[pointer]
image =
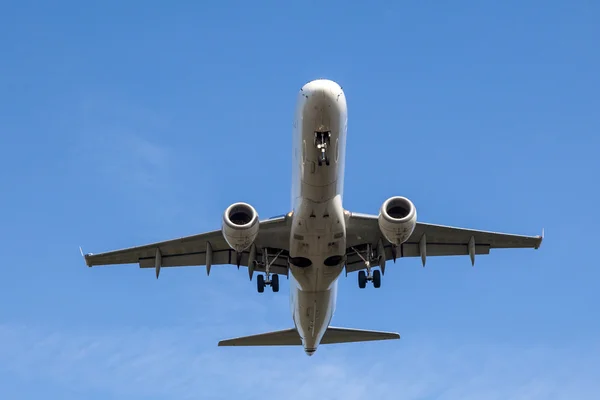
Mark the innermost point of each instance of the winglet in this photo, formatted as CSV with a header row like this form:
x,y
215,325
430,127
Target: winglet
x,y
85,256
541,239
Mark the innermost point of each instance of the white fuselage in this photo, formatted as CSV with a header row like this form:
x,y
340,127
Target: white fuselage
x,y
318,234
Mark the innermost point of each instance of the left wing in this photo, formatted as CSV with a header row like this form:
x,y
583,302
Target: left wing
x,y
273,234
429,240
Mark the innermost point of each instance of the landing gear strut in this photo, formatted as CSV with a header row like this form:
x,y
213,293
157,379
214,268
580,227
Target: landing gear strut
x,y
369,275
267,279
322,141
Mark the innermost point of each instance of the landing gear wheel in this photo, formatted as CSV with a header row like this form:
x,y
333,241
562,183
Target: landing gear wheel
x,y
260,283
370,275
362,279
376,278
275,283
322,158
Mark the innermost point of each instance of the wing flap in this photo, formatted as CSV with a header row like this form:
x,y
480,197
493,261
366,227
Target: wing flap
x,y
355,263
441,249
221,257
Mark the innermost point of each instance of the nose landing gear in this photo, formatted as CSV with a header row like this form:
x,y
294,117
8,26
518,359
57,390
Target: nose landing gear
x,y
322,141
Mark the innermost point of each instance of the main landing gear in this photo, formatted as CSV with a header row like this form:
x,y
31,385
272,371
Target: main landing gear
x,y
322,141
369,275
273,281
267,279
375,278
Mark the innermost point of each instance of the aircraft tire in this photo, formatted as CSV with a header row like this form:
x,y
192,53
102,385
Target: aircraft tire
x,y
362,279
376,278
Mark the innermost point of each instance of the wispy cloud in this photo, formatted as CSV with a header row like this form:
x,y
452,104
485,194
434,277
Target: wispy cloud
x,y
123,149
117,151
172,363
133,160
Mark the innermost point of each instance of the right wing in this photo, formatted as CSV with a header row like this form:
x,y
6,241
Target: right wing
x,y
438,240
273,234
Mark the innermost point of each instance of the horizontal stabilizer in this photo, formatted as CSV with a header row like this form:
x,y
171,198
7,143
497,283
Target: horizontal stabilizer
x,y
290,337
287,337
346,335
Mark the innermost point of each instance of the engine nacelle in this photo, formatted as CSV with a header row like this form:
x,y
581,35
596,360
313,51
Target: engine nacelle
x,y
240,226
397,219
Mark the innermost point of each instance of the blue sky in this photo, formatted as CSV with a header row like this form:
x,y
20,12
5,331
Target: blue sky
x,y
124,123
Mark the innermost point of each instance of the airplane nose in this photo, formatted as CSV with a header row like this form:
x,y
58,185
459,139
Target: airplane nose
x,y
323,89
323,104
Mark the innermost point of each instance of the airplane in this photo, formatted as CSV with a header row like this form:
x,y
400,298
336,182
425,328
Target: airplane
x,y
318,240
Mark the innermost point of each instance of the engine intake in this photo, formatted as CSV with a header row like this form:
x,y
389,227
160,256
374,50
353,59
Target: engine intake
x,y
240,226
397,219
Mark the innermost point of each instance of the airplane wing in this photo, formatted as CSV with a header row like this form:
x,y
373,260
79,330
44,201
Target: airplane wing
x,y
273,234
429,240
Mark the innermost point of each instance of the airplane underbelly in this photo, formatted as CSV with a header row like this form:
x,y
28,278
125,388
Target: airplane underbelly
x,y
318,232
312,315
317,243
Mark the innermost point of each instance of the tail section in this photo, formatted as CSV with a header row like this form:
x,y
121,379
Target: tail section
x,y
290,337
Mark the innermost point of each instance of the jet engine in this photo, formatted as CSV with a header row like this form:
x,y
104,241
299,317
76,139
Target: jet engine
x,y
397,219
240,226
